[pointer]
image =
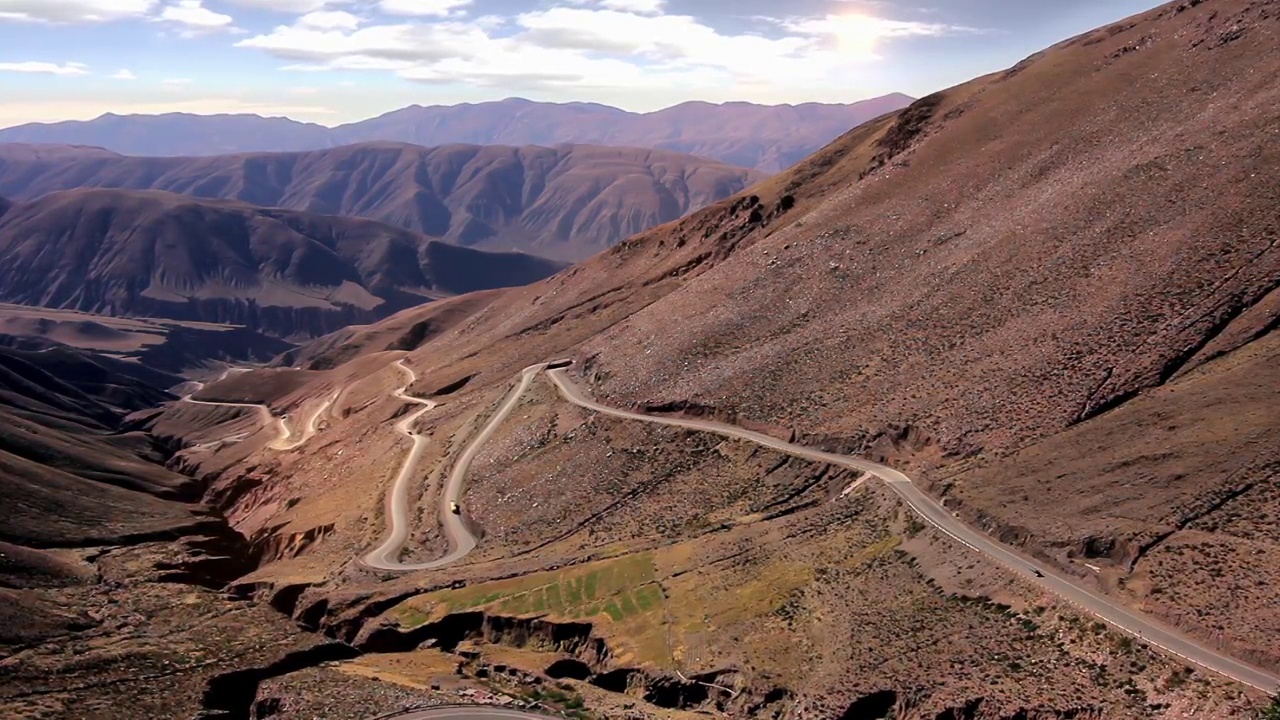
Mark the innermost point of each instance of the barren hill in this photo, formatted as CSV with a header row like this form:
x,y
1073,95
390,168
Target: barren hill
x,y
565,202
1048,295
167,345
764,137
156,254
1041,293
105,553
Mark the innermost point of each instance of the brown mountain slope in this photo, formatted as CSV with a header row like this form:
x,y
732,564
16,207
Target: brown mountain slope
x,y
565,202
73,474
105,558
1048,294
168,346
767,138
155,254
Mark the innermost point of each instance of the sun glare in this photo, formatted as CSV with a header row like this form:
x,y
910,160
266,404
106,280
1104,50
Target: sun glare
x,y
856,34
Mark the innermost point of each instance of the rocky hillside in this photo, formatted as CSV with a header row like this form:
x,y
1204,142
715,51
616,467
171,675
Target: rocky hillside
x,y
764,137
1044,294
1047,295
288,274
98,535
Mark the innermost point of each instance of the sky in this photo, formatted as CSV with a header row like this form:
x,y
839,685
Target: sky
x,y
338,61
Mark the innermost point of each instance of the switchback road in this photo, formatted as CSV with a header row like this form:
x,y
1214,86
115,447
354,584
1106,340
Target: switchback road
x,y
1096,604
462,541
282,439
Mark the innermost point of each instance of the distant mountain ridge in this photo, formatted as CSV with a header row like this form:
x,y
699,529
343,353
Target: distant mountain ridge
x,y
765,137
566,202
284,273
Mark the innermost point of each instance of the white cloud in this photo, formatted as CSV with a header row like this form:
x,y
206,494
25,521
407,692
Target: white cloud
x,y
73,11
195,18
330,20
379,47
862,33
124,74
45,68
422,8
295,7
640,7
601,48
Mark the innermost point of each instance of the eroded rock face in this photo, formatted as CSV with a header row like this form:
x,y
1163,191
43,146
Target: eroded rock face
x,y
234,695
979,709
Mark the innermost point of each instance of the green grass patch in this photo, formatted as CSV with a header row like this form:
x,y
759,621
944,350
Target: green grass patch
x,y
572,592
628,606
613,611
622,589
648,597
621,586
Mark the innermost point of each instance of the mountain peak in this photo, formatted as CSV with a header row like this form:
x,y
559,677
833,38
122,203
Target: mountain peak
x,y
764,137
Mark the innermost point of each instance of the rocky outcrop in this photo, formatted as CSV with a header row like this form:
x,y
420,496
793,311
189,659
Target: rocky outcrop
x,y
232,695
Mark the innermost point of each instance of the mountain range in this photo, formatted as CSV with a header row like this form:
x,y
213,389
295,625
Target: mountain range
x,y
284,273
765,137
933,424
566,202
1047,296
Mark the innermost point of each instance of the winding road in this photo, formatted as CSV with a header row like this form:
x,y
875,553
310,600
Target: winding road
x,y
462,542
1096,604
282,440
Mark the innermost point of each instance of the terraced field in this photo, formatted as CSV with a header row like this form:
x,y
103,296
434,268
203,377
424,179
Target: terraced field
x,y
623,593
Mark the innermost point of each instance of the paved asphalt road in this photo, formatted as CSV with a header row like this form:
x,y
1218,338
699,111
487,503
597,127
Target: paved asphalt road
x,y
384,556
281,441
1100,606
462,542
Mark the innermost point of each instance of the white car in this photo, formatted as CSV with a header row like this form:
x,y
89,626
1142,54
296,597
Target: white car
x,y
453,508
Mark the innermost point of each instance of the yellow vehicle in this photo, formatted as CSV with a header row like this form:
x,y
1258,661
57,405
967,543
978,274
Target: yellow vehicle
x,y
453,508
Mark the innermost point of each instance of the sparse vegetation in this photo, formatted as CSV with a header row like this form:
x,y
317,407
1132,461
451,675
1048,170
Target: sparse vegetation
x,y
914,527
622,588
969,314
